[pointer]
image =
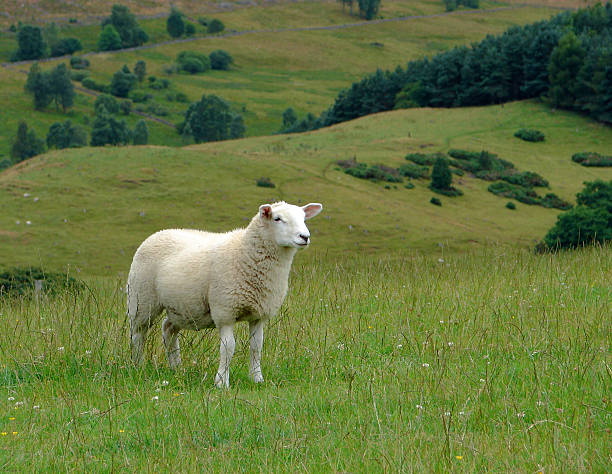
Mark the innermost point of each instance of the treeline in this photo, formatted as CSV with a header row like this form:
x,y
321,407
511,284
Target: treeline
x,y
566,60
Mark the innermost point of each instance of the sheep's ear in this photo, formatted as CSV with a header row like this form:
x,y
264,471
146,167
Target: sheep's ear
x,y
312,209
265,211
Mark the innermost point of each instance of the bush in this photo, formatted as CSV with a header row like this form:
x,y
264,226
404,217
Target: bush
x,y
156,109
552,200
203,21
510,205
450,192
109,103
423,159
413,171
5,163
175,25
529,135
373,173
140,96
66,46
21,281
141,133
220,60
79,75
409,186
527,195
89,83
181,97
590,158
123,82
215,26
66,135
265,182
435,201
525,178
78,62
109,39
192,62
579,226
125,106
189,29
159,85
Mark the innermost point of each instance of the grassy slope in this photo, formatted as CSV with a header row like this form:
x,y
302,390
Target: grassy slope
x,y
101,192
304,70
494,361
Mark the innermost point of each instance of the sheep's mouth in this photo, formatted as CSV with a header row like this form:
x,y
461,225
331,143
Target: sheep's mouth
x,y
303,244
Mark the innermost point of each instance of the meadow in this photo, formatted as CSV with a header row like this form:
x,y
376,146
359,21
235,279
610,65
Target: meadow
x,y
495,360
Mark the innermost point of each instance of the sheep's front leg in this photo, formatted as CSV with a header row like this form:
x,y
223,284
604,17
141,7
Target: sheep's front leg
x,y
226,352
256,336
170,338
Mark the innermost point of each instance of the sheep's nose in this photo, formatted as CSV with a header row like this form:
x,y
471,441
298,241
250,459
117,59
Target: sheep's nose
x,y
305,237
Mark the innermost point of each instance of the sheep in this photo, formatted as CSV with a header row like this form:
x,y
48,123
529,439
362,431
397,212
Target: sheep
x,y
204,280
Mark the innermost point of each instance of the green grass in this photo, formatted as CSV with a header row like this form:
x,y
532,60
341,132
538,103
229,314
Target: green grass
x,y
212,186
492,361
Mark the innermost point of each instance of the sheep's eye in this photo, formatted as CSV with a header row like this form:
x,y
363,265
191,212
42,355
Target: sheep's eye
x,y
277,219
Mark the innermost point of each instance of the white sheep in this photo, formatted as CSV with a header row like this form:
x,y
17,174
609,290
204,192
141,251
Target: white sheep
x,y
203,279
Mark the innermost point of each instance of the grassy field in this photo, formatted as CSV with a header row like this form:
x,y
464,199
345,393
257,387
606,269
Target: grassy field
x,y
493,361
131,192
272,71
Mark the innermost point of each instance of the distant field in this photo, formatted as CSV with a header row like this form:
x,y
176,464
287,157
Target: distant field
x,y
493,361
112,198
304,70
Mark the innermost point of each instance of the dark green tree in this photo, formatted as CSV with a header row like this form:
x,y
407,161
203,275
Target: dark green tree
x,y
220,60
215,26
565,63
38,85
211,119
26,144
66,135
123,82
289,118
175,24
30,44
66,46
109,39
126,25
140,69
441,177
107,130
192,62
62,88
189,29
141,133
108,102
368,9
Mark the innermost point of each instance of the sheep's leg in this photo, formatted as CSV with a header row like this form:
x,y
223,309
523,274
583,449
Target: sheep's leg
x,y
138,335
226,352
256,336
170,338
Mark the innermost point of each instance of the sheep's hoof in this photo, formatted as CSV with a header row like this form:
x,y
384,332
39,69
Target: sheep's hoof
x,y
222,381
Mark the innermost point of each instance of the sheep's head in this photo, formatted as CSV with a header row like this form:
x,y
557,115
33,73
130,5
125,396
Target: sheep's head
x,y
285,222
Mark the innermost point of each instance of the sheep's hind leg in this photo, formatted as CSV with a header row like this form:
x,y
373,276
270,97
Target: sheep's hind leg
x,y
138,335
226,352
256,337
170,338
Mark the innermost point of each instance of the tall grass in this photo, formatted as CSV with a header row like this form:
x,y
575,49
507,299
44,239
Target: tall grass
x,y
494,360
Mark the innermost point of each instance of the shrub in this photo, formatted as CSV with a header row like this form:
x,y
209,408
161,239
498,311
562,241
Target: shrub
x,y
529,135
215,26
107,130
140,96
414,171
123,82
435,201
156,109
424,159
141,133
524,195
510,205
189,29
125,106
590,158
192,62
450,192
373,173
78,62
5,163
181,97
66,135
110,104
21,281
78,75
203,21
220,60
159,85
579,226
89,83
552,200
524,178
175,25
409,186
66,46
109,39
265,182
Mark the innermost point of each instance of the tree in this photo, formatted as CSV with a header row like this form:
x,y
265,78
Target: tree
x,y
66,46
441,177
141,133
189,29
62,88
30,44
122,83
211,119
215,26
107,130
368,9
66,135
109,39
108,102
192,62
565,63
220,60
175,24
140,69
38,85
126,25
289,118
26,144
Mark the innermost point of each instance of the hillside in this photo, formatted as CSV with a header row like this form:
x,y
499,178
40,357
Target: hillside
x,y
96,205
